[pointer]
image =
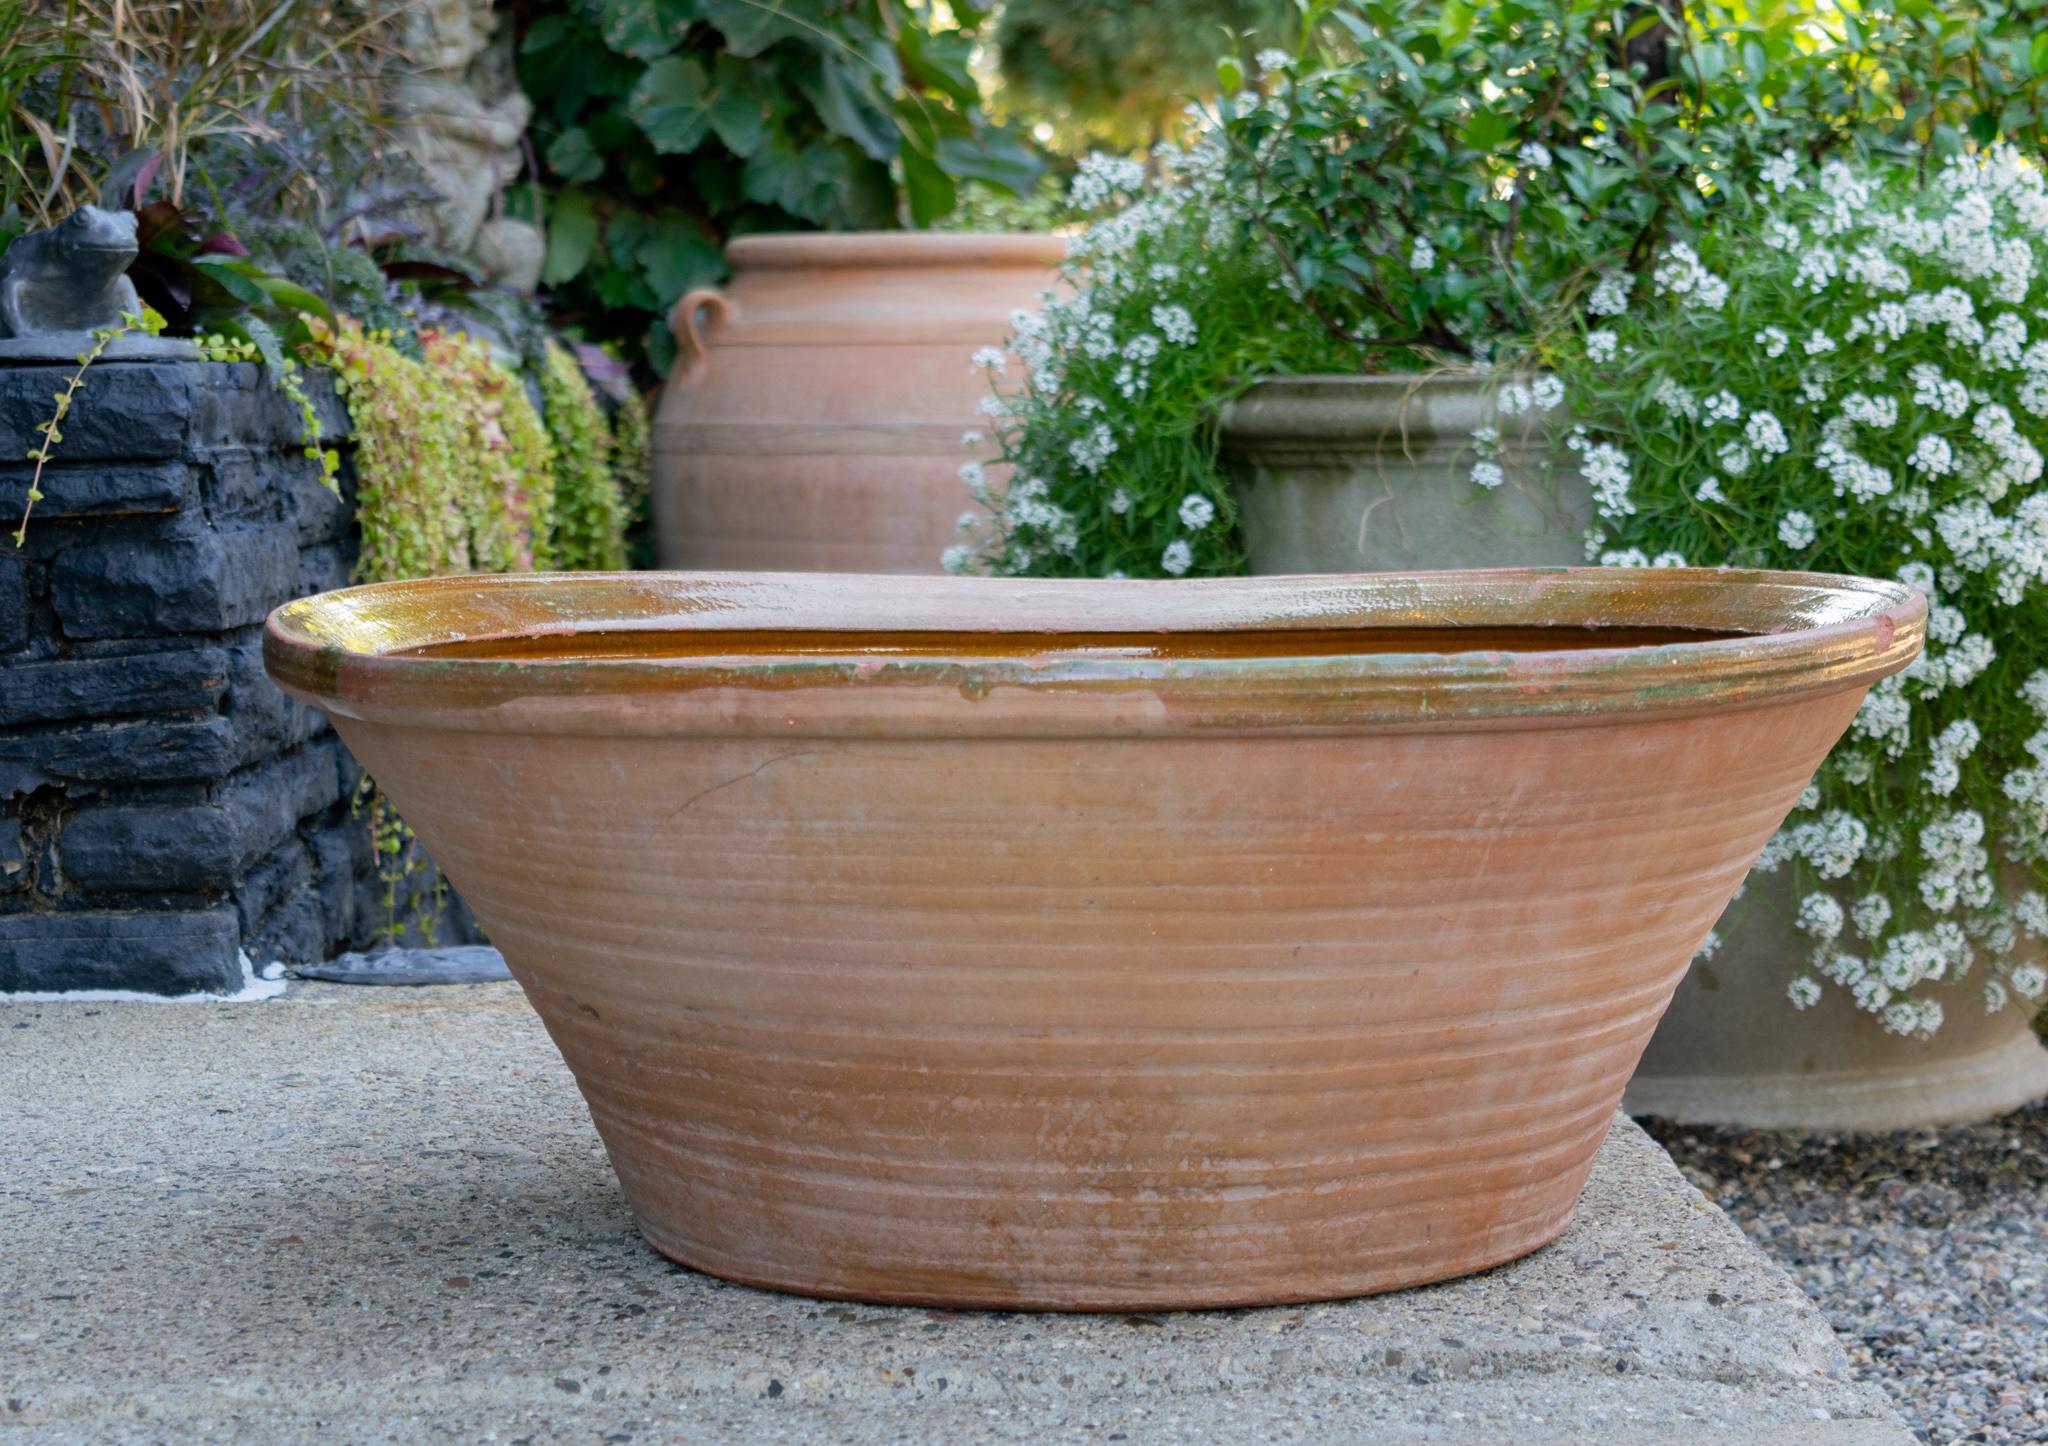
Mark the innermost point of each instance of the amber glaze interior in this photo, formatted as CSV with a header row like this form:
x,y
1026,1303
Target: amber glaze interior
x,y
601,645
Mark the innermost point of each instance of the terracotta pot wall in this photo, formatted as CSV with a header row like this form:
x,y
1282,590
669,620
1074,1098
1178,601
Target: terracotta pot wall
x,y
820,428
1096,977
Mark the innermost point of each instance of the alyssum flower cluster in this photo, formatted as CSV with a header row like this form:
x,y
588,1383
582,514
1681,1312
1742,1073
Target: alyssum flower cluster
x,y
1853,384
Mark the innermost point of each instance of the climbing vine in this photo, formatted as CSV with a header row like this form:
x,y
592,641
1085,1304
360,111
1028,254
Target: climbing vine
x,y
144,320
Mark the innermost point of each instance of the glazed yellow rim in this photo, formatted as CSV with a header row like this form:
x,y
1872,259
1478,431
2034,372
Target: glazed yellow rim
x,y
1767,637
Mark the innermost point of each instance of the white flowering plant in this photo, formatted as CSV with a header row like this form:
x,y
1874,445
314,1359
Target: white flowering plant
x,y
1435,188
1853,380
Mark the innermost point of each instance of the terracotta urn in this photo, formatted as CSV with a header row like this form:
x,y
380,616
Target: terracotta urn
x,y
815,416
1097,945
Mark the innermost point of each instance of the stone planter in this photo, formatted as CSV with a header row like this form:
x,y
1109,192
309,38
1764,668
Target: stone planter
x,y
1373,474
815,416
1097,945
165,812
1733,1051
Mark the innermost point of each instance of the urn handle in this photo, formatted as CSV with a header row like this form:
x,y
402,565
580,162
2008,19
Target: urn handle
x,y
692,354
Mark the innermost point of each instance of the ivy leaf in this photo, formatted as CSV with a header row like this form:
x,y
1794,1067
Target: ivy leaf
x,y
646,29
672,104
813,182
677,255
930,190
845,99
751,26
571,156
739,109
572,236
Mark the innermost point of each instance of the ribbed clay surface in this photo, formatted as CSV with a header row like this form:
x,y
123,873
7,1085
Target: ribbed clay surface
x,y
824,429
1104,1022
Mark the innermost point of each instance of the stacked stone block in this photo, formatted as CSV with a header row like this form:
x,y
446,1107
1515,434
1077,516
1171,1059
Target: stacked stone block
x,y
164,810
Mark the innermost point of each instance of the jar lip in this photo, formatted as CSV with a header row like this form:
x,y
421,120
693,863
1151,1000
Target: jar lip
x,y
829,250
371,651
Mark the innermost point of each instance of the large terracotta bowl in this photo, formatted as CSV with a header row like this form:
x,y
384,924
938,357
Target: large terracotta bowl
x,y
1097,945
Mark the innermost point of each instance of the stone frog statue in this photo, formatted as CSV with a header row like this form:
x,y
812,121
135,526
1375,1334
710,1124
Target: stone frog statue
x,y
70,278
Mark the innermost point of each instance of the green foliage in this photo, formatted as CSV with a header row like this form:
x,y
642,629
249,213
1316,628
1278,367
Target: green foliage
x,y
1849,381
666,126
1430,185
1116,74
590,505
454,471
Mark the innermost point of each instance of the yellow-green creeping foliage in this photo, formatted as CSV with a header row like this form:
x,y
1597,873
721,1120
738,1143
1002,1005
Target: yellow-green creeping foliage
x,y
590,511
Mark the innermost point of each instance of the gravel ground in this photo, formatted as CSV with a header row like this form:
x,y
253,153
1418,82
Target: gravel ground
x,y
1927,1250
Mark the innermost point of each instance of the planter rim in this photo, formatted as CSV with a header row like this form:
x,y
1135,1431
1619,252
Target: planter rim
x,y
354,652
1341,407
830,250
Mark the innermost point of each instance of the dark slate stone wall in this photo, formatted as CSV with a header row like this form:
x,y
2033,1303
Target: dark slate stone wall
x,y
162,806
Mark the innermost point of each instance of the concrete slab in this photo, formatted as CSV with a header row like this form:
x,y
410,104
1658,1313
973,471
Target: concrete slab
x,y
354,1214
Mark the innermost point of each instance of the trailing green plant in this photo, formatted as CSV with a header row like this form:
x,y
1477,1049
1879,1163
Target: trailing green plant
x,y
51,431
590,505
1851,381
666,127
454,471
290,380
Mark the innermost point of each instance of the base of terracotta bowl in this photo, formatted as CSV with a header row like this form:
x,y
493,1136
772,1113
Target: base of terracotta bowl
x,y
1187,1296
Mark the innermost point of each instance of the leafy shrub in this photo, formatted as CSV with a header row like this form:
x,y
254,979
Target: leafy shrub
x,y
1847,382
668,125
1428,186
1426,195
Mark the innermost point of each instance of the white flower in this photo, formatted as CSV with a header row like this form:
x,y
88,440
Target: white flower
x,y
1610,294
1766,434
1196,512
1176,322
1708,946
1710,491
1600,346
1178,557
1821,916
1534,154
1101,176
1422,255
1797,531
1804,992
1605,468
1512,399
1819,343
957,558
1932,455
976,479
1774,340
1781,172
1120,502
1488,474
1734,458
1871,914
1270,60
989,358
970,439
1668,559
2029,980
1546,393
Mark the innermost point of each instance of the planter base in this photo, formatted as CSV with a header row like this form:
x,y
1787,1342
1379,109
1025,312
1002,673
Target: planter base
x,y
1945,1091
1732,1051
